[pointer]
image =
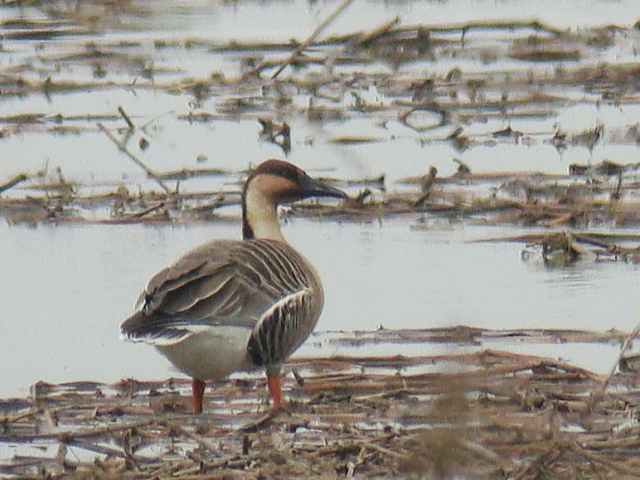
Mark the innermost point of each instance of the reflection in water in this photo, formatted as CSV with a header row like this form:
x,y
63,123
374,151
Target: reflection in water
x,y
577,276
70,287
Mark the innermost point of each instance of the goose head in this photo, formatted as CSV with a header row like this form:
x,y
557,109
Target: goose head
x,y
273,183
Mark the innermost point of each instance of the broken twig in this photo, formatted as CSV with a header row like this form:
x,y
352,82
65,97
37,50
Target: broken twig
x,y
312,37
135,159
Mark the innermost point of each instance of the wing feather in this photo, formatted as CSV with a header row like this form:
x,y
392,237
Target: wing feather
x,y
221,283
191,294
282,328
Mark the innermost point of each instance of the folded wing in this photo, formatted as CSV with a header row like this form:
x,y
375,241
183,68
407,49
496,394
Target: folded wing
x,y
222,283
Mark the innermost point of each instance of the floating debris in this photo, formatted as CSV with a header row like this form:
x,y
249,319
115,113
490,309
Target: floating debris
x,y
563,248
187,173
426,185
354,139
277,134
374,182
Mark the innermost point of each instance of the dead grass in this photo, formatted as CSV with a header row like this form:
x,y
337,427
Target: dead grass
x,y
488,414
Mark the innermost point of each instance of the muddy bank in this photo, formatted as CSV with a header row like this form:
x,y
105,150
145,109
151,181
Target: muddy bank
x,y
480,415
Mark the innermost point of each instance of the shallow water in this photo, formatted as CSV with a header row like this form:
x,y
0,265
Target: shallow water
x,y
67,288
70,287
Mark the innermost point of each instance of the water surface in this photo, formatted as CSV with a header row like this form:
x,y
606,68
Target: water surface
x,y
67,288
70,287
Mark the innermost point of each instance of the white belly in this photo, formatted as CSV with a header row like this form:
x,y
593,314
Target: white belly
x,y
212,354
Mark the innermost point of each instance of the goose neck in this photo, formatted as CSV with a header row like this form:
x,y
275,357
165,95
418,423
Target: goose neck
x,y
260,216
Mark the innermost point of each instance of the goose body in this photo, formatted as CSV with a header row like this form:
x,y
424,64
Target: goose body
x,y
234,305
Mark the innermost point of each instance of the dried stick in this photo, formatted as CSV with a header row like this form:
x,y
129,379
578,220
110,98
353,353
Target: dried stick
x,y
126,118
146,211
368,37
135,159
13,182
386,451
312,37
196,438
105,450
625,346
551,456
69,435
482,452
611,466
485,25
261,422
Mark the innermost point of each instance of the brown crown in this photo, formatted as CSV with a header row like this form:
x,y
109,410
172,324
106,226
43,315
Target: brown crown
x,y
279,168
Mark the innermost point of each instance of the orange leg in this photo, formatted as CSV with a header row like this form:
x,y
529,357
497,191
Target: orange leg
x,y
197,389
275,390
